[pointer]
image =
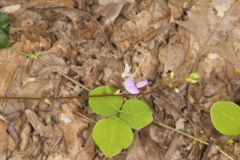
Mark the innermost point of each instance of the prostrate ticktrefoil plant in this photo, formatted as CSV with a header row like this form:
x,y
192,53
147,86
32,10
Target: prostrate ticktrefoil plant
x,y
114,133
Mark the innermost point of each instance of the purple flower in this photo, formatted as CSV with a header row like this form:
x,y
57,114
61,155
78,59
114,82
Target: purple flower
x,y
133,87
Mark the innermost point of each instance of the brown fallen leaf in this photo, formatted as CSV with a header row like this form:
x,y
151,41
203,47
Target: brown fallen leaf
x,y
107,2
149,16
173,151
71,131
9,62
109,12
213,31
136,151
3,140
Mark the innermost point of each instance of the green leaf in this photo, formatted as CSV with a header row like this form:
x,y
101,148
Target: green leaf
x,y
136,113
105,106
193,77
112,135
3,40
4,22
225,116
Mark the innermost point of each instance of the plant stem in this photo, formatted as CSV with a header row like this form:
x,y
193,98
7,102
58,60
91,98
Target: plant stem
x,y
158,123
46,64
140,64
76,97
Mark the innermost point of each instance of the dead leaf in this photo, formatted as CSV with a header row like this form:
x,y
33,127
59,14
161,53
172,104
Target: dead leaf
x,y
136,151
71,132
212,30
152,15
109,12
107,2
3,141
173,153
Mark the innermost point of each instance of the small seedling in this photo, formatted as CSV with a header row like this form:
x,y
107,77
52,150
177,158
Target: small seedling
x,y
32,55
47,101
193,78
230,142
114,133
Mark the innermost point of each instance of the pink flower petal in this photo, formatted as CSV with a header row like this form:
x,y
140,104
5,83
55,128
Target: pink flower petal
x,y
130,86
142,84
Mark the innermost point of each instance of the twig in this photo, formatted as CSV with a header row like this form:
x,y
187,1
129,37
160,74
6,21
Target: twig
x,y
46,64
74,81
158,123
74,97
140,64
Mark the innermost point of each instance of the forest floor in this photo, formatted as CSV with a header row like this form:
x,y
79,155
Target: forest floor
x,y
92,41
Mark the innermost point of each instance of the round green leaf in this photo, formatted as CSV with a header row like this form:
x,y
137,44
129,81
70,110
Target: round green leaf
x,y
136,113
3,40
225,117
4,22
105,106
112,135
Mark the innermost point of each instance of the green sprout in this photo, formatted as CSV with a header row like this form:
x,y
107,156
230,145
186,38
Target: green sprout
x,y
193,78
47,101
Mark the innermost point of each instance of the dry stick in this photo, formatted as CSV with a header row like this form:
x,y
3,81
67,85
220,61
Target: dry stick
x,y
75,97
46,64
140,64
159,123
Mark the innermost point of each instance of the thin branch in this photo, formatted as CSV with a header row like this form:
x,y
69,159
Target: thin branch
x,y
158,123
75,97
46,64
